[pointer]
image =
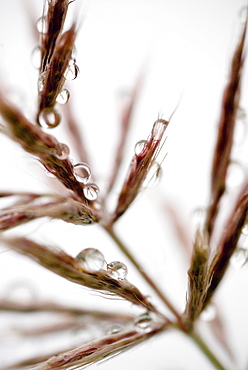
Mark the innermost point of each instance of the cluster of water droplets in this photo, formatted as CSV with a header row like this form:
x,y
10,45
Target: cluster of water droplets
x,y
82,173
117,270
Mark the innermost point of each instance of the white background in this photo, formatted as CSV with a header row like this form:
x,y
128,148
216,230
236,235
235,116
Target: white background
x,y
184,49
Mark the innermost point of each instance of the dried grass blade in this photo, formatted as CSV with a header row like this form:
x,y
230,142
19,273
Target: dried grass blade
x,y
66,266
95,351
228,242
126,118
53,77
54,19
224,142
64,209
42,145
139,168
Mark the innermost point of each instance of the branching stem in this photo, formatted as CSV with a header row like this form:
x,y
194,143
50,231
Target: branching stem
x,y
147,278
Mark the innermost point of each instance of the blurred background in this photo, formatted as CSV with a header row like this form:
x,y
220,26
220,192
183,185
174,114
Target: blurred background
x,y
182,50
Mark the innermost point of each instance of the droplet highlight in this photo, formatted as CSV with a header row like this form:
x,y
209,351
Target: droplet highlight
x,y
82,172
114,329
159,128
209,313
41,81
63,97
235,174
72,71
243,14
153,177
140,146
143,323
49,118
198,217
117,270
239,258
91,260
63,152
41,24
245,230
91,191
36,57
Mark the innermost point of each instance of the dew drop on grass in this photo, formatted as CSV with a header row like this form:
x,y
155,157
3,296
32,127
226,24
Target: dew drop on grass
x,y
235,174
240,132
41,81
50,174
49,118
159,128
245,230
243,14
117,270
209,313
239,258
63,152
82,172
91,191
63,97
72,71
143,323
139,147
114,329
36,57
41,24
91,260
153,176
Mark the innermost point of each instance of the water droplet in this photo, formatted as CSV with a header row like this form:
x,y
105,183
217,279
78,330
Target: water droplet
x,y
153,176
143,323
243,14
49,118
117,270
41,81
198,217
74,53
82,172
209,313
139,147
240,127
91,259
41,24
235,174
239,258
63,96
36,57
114,329
245,229
63,152
91,191
159,128
50,174
72,71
